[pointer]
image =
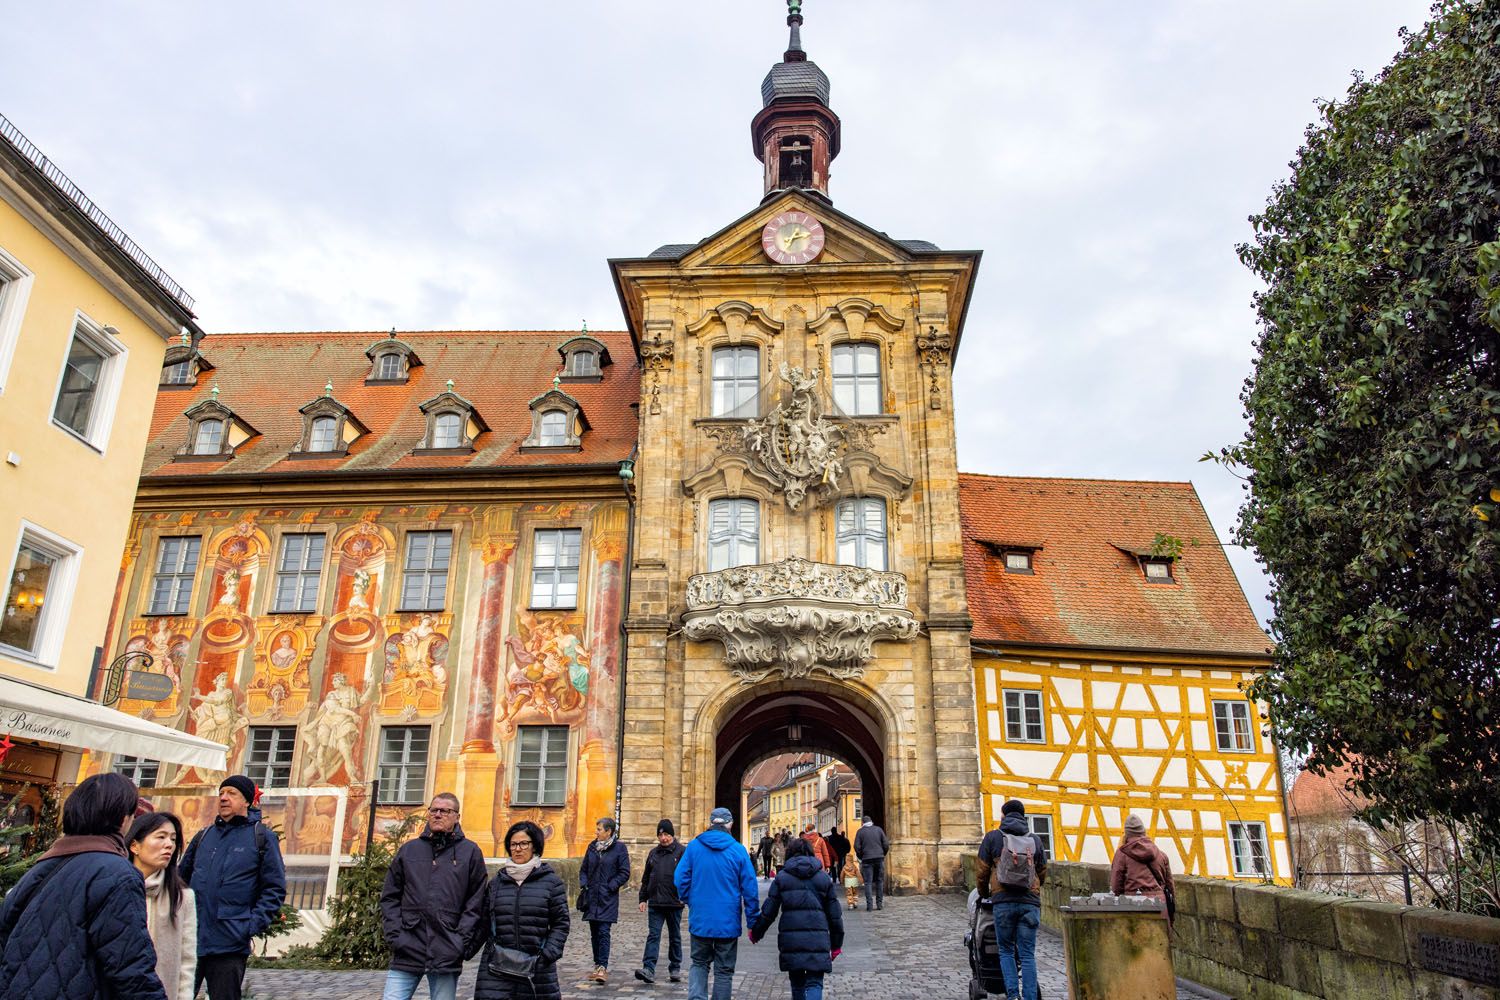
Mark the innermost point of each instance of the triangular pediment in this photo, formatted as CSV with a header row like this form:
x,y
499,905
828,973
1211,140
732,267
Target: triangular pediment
x,y
846,240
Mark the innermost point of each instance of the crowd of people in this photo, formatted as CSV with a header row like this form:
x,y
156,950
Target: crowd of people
x,y
121,907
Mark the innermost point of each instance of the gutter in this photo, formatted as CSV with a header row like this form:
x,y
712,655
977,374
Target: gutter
x,y
624,635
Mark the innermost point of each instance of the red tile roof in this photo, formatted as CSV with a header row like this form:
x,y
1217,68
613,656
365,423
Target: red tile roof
x,y
266,377
1315,795
1086,589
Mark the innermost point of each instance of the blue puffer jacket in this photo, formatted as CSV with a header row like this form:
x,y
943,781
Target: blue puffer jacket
x,y
238,894
601,876
714,878
812,922
83,936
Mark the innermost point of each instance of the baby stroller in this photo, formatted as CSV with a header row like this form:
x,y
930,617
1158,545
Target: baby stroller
x,y
984,951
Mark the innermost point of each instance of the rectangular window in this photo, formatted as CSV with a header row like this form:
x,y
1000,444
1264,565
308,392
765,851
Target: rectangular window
x,y
1247,841
424,579
38,592
1232,727
138,769
15,288
541,766
1018,562
269,761
403,765
733,533
172,583
180,373
736,382
90,383
856,378
298,573
554,568
1042,827
1023,717
861,533
1157,570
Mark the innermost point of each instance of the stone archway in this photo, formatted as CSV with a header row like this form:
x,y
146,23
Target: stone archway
x,y
834,723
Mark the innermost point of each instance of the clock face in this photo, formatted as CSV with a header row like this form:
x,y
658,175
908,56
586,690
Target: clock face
x,y
792,238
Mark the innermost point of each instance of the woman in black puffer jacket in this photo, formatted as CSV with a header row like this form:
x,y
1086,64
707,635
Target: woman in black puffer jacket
x,y
811,933
526,908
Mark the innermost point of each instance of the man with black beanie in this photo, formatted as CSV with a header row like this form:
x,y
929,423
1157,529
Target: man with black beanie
x,y
1012,867
660,904
239,883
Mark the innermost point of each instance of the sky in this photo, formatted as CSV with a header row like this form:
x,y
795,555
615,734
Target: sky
x,y
447,165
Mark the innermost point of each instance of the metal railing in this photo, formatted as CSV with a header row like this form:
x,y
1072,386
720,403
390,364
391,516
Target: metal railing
x,y
93,212
307,891
1405,871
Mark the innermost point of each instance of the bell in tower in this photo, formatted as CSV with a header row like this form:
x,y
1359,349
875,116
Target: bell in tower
x,y
796,134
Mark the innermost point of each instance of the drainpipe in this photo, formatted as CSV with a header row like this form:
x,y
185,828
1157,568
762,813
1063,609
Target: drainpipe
x,y
627,479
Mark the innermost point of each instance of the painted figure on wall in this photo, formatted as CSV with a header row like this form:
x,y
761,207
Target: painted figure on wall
x,y
218,716
548,677
334,733
416,672
284,656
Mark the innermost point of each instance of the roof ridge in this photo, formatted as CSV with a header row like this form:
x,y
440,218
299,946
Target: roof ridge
x,y
1081,479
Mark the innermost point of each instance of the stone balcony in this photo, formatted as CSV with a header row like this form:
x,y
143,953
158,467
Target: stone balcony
x,y
797,616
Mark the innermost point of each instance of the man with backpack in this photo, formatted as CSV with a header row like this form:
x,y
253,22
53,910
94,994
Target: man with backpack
x,y
239,882
1012,866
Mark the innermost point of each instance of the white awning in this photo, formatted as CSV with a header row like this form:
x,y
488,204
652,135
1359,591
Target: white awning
x,y
33,712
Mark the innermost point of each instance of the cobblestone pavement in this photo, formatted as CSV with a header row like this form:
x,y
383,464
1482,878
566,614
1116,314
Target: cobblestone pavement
x,y
912,949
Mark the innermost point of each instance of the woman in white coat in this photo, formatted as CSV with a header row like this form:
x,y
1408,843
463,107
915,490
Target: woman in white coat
x,y
155,845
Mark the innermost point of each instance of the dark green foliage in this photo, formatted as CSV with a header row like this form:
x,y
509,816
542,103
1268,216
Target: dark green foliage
x,y
354,939
1373,448
21,844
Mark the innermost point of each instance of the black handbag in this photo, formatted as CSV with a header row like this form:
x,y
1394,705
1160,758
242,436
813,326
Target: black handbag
x,y
512,963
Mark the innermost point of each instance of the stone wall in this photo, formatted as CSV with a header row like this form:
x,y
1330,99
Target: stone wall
x,y
1250,940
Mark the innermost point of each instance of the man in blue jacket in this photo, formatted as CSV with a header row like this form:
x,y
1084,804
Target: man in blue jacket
x,y
234,868
715,878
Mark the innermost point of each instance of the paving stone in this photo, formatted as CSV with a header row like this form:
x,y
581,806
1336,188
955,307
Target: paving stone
x,y
914,948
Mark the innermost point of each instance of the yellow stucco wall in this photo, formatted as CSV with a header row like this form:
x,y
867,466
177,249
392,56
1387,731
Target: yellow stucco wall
x,y
1123,737
62,484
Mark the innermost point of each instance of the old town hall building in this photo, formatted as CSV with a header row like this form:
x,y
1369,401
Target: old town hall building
x,y
569,575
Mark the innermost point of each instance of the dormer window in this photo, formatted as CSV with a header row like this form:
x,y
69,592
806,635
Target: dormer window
x,y
214,432
179,374
452,424
391,361
322,436
182,365
1157,570
1017,561
584,359
209,440
557,422
328,428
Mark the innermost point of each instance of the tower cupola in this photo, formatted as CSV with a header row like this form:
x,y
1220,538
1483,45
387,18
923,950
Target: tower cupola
x,y
796,134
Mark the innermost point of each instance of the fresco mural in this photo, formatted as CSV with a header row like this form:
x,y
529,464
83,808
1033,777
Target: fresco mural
x,y
471,674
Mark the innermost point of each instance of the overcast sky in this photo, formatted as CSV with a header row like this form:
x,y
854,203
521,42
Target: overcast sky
x,y
343,165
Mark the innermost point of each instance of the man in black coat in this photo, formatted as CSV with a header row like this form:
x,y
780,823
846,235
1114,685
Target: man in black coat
x,y
661,905
871,846
432,880
767,844
840,846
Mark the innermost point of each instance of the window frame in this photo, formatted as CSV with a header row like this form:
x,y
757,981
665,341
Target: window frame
x,y
199,425
1167,564
1041,708
856,380
1244,828
439,422
106,387
1230,704
15,290
860,537
403,768
736,380
1031,824
556,570
323,420
556,436
262,772
300,574
185,573
1028,569
736,535
543,766
380,374
136,768
427,571
57,600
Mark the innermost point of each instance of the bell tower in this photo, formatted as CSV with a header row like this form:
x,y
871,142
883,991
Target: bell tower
x,y
796,134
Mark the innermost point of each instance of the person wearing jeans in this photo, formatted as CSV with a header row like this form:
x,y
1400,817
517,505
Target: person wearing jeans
x,y
716,880
659,902
810,934
871,846
1017,908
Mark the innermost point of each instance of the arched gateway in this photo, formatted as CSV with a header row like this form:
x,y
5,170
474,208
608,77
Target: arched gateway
x,y
796,559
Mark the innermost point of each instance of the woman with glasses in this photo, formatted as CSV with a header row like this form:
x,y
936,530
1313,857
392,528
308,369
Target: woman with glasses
x,y
524,923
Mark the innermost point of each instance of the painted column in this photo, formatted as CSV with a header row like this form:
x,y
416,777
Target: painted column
x,y
597,754
479,729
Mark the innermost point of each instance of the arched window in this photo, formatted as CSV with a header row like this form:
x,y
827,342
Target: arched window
x,y
322,436
856,378
554,429
861,533
736,381
584,363
733,533
210,437
390,366
447,430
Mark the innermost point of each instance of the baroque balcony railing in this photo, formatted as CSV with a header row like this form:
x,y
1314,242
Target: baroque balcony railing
x,y
796,616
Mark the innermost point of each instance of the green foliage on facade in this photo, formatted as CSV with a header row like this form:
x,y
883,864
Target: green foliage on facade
x,y
1373,449
354,939
22,842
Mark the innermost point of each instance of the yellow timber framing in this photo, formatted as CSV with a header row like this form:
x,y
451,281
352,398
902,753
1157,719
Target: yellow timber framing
x,y
1130,731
